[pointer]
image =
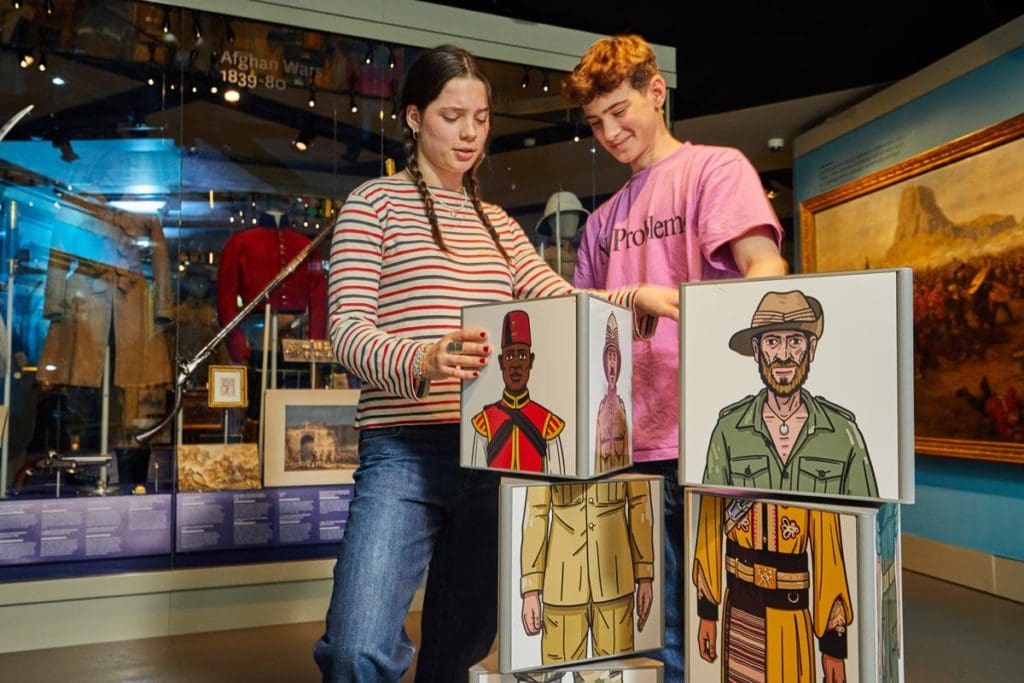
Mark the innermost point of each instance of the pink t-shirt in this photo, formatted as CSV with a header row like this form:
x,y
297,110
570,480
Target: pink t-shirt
x,y
671,223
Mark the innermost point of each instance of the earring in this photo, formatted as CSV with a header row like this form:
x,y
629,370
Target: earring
x,y
415,134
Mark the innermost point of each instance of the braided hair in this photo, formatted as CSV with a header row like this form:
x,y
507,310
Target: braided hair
x,y
427,76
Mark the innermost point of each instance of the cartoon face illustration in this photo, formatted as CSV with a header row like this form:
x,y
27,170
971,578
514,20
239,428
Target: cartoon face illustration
x,y
784,359
516,432
516,362
785,437
612,354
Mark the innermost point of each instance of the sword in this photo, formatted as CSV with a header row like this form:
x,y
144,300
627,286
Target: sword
x,y
13,121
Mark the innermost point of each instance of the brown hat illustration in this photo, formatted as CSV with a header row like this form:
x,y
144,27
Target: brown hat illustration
x,y
780,311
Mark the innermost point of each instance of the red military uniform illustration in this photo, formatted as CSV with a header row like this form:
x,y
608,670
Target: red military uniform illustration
x,y
514,433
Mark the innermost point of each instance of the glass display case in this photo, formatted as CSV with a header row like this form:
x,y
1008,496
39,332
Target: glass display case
x,y
167,164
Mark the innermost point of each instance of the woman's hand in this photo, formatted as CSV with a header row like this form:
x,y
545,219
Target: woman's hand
x,y
659,301
460,354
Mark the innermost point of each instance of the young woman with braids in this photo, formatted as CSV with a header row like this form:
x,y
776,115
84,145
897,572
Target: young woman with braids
x,y
408,252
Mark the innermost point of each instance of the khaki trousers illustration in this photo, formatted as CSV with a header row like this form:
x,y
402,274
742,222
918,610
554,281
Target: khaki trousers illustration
x,y
609,624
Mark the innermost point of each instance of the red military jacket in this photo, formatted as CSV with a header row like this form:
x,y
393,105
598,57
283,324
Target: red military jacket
x,y
250,259
517,431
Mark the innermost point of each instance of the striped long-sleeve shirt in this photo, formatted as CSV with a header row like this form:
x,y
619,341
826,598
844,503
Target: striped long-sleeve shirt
x,y
392,290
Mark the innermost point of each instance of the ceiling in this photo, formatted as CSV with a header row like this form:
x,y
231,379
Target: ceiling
x,y
770,71
733,56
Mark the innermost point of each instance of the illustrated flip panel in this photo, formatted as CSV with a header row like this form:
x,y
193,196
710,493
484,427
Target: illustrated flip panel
x,y
580,571
631,670
799,385
783,591
555,399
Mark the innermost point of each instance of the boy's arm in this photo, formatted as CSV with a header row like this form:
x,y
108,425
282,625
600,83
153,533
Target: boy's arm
x,y
756,254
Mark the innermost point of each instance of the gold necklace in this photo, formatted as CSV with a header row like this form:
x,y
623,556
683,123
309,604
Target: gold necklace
x,y
454,211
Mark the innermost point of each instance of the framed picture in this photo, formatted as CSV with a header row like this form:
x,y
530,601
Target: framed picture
x,y
799,385
953,215
308,437
218,466
227,387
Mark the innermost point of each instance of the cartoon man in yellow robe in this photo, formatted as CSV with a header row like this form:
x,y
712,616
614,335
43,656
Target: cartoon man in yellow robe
x,y
776,600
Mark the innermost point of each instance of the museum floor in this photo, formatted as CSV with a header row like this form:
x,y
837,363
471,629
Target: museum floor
x,y
953,634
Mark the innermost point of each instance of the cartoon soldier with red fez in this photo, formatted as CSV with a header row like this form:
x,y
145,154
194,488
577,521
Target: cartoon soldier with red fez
x,y
513,434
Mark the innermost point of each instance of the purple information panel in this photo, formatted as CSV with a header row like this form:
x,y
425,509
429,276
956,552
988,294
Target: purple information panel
x,y
65,529
225,520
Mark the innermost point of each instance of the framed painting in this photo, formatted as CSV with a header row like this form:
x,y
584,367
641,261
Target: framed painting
x,y
309,438
227,386
953,215
218,466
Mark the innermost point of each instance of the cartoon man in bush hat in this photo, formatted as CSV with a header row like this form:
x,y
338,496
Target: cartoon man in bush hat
x,y
784,437
513,433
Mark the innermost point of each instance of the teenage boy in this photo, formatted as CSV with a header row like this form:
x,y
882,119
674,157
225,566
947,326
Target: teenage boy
x,y
688,213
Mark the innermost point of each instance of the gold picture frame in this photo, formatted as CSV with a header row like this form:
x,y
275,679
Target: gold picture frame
x,y
227,387
947,213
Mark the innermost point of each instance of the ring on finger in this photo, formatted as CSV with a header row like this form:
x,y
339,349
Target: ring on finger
x,y
454,347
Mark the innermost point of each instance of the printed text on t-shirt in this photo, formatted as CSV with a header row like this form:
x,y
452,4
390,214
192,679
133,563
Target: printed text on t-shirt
x,y
624,238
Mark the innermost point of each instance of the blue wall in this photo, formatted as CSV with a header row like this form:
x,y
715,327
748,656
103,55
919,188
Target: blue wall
x,y
967,503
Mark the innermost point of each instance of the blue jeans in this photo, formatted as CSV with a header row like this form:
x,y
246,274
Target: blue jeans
x,y
672,654
413,505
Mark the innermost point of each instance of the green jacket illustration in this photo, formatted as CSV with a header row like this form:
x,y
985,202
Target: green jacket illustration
x,y
828,457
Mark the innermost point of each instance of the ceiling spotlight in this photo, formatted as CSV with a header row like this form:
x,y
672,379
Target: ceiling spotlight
x,y
576,138
166,24
391,57
353,107
42,61
229,33
369,54
526,77
771,193
545,84
49,7
150,81
213,90
195,89
16,4
394,111
303,139
27,60
232,95
312,96
197,31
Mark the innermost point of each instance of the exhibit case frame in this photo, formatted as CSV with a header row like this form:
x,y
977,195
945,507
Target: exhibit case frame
x,y
130,191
